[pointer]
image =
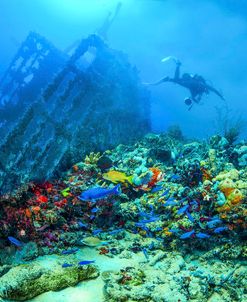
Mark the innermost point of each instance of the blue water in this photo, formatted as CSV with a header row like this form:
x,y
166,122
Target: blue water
x,y
207,36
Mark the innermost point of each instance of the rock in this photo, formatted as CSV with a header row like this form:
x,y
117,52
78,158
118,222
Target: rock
x,y
4,269
160,255
30,251
162,154
27,281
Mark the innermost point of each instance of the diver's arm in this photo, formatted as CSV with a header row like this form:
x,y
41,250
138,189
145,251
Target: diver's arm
x,y
177,71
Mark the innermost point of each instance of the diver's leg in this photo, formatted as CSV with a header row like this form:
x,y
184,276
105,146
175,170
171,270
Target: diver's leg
x,y
166,79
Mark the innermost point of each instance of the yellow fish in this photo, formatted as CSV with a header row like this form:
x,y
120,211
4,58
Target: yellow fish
x,y
117,177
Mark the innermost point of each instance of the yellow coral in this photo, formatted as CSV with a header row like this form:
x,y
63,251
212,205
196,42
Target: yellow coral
x,y
235,197
240,184
224,208
212,155
166,231
227,186
233,174
92,158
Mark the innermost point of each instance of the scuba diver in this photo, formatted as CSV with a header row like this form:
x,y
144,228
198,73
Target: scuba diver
x,y
196,84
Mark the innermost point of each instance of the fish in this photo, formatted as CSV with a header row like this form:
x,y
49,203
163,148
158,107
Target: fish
x,y
156,189
187,235
118,177
115,231
15,241
140,224
173,230
86,262
202,235
99,193
151,219
95,232
211,224
170,202
82,225
69,252
94,210
189,216
220,229
145,252
175,177
166,192
183,209
66,265
158,229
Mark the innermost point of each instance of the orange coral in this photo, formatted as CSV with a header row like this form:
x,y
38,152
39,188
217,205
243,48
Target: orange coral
x,y
227,186
235,197
206,175
36,210
157,175
225,208
28,213
75,168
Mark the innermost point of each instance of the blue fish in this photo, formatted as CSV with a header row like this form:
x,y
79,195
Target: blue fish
x,y
158,229
151,246
94,210
82,225
187,235
212,223
175,177
69,252
202,235
15,241
220,229
99,193
95,232
156,189
189,216
173,230
183,209
86,262
151,219
141,225
67,265
170,202
145,252
166,192
113,232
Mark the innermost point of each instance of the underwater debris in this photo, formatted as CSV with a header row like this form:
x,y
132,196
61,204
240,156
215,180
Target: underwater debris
x,y
55,144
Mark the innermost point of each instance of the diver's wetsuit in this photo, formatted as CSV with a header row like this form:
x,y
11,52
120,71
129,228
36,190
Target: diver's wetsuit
x,y
195,83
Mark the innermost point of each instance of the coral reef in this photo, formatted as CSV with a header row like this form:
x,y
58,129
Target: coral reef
x,y
182,216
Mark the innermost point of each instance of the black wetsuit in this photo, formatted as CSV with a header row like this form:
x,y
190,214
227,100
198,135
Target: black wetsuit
x,y
195,83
